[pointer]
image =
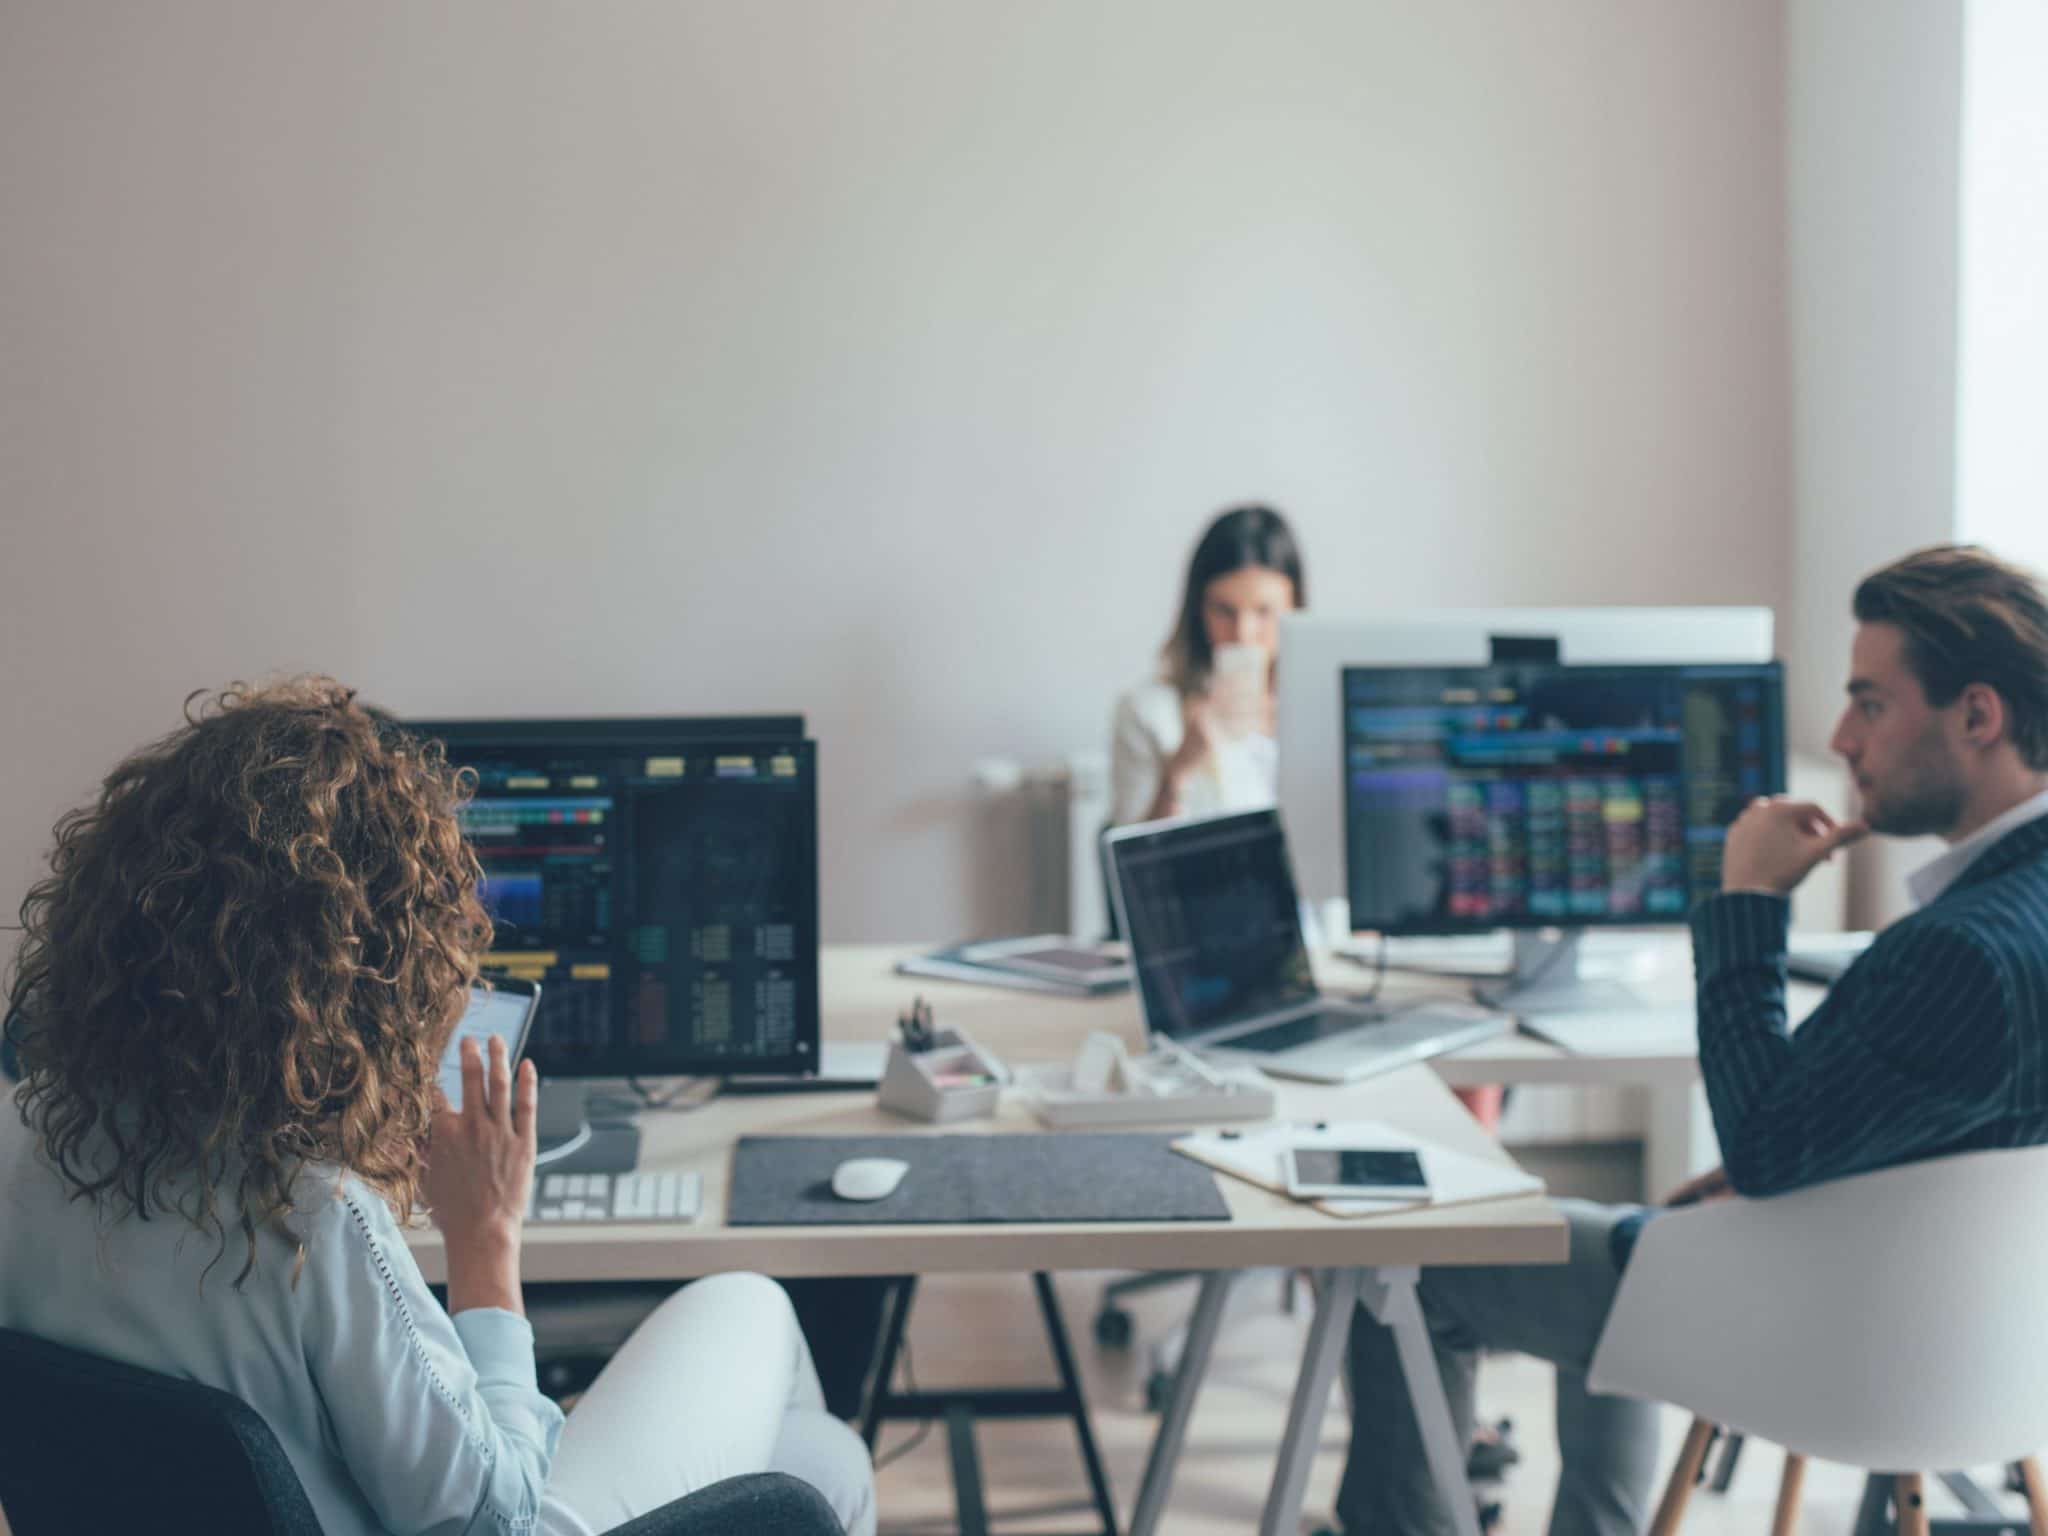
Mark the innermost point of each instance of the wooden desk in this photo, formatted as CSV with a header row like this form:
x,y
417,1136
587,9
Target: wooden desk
x,y
1264,1228
1373,1262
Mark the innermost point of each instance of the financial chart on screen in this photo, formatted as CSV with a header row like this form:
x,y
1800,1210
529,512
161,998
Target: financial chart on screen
x,y
1542,795
664,893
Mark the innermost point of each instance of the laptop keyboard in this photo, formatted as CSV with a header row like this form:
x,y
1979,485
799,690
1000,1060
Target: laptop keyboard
x,y
1287,1035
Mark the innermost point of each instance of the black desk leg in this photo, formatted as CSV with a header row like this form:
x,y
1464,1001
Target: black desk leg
x,y
896,1315
967,1498
1070,1384
961,1407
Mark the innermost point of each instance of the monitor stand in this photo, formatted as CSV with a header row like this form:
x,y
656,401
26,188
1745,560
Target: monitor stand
x,y
576,1138
1546,979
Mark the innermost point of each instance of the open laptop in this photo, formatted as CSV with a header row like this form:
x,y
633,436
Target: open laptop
x,y
1209,908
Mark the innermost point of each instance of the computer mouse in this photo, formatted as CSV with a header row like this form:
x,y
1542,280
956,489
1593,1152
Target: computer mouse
x,y
868,1178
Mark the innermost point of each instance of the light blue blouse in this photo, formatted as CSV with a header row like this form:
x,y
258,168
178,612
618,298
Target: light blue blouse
x,y
399,1420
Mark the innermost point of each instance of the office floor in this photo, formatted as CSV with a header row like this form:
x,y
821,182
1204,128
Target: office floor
x,y
973,1328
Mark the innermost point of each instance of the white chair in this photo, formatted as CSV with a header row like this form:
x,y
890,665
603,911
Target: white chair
x,y
1896,1321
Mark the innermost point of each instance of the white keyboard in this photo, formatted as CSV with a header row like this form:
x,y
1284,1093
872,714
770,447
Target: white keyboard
x,y
657,1195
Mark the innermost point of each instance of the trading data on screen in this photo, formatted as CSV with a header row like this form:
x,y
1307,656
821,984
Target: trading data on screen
x,y
664,897
1543,795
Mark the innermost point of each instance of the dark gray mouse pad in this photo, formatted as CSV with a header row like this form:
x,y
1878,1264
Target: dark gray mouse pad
x,y
786,1181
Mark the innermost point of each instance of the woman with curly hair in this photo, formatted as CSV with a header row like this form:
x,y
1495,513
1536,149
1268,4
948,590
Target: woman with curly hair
x,y
229,1008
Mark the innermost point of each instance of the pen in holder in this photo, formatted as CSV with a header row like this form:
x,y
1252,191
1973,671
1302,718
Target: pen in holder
x,y
951,1078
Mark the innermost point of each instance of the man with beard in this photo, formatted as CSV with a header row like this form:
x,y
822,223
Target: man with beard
x,y
1934,1042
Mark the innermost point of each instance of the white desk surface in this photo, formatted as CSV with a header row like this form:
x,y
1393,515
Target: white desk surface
x,y
861,999
1654,964
862,995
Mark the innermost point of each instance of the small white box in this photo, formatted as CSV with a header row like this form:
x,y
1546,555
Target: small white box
x,y
1152,1092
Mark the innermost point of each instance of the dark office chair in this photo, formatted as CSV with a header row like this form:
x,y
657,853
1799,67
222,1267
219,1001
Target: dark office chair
x,y
88,1444
10,1063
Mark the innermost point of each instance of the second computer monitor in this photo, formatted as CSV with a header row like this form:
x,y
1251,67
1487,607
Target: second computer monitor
x,y
1536,796
659,878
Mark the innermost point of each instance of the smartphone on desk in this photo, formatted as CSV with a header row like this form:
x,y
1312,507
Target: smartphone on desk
x,y
1381,1173
502,1008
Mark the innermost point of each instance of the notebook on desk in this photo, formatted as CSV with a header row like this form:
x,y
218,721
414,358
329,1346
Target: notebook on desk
x,y
1038,963
1455,1178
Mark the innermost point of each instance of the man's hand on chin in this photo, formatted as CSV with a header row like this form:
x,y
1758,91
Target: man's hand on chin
x,y
1775,843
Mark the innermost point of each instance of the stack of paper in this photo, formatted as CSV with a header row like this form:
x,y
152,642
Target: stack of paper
x,y
1093,968
1455,1178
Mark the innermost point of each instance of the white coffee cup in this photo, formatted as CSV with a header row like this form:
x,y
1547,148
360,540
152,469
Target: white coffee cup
x,y
1238,679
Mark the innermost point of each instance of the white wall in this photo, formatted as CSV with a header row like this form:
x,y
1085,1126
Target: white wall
x,y
2002,324
1873,115
875,358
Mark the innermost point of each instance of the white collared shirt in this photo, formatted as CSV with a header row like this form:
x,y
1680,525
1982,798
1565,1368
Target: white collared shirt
x,y
395,1416
1930,880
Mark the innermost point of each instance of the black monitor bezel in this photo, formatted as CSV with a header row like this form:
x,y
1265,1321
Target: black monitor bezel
x,y
615,728
623,1062
1446,927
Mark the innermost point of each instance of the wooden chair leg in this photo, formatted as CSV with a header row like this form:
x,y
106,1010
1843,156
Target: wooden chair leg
x,y
1786,1520
1693,1455
2037,1495
1907,1490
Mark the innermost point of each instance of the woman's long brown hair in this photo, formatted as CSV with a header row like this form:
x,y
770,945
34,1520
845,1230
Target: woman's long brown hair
x,y
1240,537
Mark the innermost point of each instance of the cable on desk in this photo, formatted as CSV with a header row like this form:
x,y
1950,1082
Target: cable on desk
x,y
1370,996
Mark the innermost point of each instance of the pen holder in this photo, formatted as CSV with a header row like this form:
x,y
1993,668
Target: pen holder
x,y
954,1080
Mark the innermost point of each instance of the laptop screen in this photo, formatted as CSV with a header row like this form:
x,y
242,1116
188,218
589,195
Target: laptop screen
x,y
1209,909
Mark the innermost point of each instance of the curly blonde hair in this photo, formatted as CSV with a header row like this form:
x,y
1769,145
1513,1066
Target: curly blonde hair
x,y
247,957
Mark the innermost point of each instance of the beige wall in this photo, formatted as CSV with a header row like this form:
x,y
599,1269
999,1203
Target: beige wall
x,y
1873,125
872,359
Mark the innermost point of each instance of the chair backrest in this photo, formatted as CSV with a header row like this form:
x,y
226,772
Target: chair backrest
x,y
89,1444
1891,1321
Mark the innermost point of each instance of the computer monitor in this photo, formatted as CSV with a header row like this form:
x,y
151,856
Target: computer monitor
x,y
1536,796
659,879
1316,647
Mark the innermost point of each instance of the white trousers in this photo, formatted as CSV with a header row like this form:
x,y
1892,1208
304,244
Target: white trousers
x,y
715,1383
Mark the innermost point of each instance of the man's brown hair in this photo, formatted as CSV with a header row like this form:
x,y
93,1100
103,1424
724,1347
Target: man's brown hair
x,y
1969,617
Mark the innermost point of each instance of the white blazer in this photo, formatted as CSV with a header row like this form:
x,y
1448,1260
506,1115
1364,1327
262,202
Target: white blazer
x,y
1242,774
